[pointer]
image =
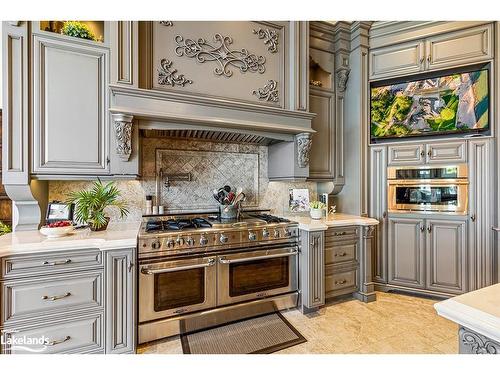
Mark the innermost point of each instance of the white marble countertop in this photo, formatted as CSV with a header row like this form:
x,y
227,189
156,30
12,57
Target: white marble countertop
x,y
332,220
478,310
116,236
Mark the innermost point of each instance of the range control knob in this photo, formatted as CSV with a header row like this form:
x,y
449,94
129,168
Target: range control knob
x,y
288,233
223,238
170,243
156,244
252,236
190,241
265,233
179,241
203,240
276,233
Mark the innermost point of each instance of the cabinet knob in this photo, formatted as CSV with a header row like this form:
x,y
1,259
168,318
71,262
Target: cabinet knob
x,y
422,229
429,153
473,217
429,58
421,59
384,214
422,153
429,229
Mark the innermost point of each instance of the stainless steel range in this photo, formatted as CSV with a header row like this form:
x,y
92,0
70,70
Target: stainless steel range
x,y
201,271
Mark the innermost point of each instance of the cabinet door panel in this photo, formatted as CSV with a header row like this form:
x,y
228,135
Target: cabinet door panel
x,y
406,155
313,269
396,60
378,209
120,301
321,163
70,121
406,252
446,256
446,152
460,48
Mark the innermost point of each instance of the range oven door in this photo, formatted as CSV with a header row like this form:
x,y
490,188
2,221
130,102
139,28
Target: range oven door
x,y
256,274
176,287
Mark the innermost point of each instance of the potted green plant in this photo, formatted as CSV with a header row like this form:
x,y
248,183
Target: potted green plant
x,y
77,30
316,209
4,229
90,204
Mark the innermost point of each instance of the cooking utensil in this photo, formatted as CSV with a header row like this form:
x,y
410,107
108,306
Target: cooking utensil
x,y
240,197
227,188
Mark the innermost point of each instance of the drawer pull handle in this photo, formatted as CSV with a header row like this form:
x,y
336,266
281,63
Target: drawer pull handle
x,y
180,311
341,254
47,263
57,342
340,282
339,233
55,298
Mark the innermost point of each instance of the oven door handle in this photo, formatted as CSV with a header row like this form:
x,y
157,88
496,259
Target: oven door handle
x,y
150,271
241,260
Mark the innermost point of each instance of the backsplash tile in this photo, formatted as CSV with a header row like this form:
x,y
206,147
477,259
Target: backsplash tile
x,y
243,165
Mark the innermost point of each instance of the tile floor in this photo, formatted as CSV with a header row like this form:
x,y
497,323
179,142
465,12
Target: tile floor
x,y
393,324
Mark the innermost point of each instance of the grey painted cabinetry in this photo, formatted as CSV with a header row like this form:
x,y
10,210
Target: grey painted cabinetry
x,y
120,306
447,50
80,301
428,254
378,209
70,107
406,252
427,153
312,273
446,256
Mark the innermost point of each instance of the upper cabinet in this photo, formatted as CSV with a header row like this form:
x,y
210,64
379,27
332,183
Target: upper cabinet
x,y
243,61
447,50
70,120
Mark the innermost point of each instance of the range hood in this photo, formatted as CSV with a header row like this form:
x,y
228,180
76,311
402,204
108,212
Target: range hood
x,y
180,115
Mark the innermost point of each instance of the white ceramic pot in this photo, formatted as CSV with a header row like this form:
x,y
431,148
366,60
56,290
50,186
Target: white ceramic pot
x,y
57,231
316,213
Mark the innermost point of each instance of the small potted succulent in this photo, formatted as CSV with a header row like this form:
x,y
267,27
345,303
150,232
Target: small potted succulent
x,y
316,209
78,30
90,204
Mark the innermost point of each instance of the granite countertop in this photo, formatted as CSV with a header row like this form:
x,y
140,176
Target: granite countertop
x,y
116,236
478,310
332,220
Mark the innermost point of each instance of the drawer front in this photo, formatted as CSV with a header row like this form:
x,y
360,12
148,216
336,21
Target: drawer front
x,y
48,263
51,295
446,152
406,155
340,253
73,335
341,233
339,281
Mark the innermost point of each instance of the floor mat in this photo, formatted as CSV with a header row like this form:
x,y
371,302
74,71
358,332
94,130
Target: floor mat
x,y
261,335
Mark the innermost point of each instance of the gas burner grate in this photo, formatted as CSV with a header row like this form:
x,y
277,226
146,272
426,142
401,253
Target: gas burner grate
x,y
270,218
176,224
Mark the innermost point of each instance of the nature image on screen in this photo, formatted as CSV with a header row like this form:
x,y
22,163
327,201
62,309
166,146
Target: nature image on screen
x,y
453,103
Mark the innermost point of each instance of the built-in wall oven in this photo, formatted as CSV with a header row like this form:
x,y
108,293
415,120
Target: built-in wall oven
x,y
174,287
428,189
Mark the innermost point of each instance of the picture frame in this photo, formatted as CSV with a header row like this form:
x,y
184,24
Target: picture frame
x,y
59,211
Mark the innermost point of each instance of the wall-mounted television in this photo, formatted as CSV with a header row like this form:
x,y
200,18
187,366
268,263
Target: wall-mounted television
x,y
446,104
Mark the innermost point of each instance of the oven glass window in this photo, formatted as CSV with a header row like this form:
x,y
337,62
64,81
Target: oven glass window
x,y
427,195
180,288
257,276
426,173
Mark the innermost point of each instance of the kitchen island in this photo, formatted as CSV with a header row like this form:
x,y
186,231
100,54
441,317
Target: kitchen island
x,y
77,292
478,314
336,258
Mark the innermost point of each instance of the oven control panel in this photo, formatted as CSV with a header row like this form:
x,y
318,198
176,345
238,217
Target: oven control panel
x,y
216,239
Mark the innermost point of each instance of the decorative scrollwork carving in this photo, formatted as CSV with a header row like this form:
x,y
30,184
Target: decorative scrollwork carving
x,y
270,38
220,53
342,77
269,92
304,143
479,344
166,23
167,76
123,134
368,231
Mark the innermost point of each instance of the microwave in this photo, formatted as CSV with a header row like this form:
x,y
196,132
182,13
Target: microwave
x,y
432,189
